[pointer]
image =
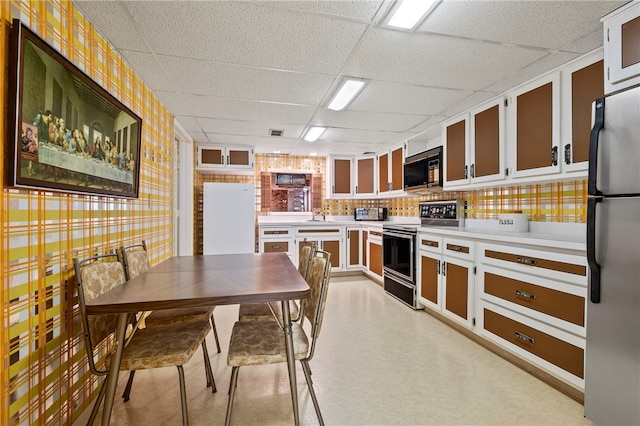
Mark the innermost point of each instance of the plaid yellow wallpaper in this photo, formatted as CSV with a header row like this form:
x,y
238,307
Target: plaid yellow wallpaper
x,y
45,378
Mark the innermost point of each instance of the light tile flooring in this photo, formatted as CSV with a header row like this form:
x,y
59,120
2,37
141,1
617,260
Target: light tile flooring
x,y
377,363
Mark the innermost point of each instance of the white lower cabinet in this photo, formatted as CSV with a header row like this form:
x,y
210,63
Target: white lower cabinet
x,y
532,303
277,239
329,238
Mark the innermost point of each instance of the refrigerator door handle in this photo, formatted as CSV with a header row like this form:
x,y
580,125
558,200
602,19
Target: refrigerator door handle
x,y
594,266
593,146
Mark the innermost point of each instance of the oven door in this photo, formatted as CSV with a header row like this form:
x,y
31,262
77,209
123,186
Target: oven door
x,y
398,254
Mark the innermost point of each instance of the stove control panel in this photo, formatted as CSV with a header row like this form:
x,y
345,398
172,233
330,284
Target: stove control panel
x,y
442,213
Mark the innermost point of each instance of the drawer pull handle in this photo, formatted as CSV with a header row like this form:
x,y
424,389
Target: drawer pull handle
x,y
275,247
526,261
525,295
524,337
428,243
455,248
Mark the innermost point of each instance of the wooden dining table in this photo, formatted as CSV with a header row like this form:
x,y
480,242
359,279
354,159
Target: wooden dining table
x,y
188,281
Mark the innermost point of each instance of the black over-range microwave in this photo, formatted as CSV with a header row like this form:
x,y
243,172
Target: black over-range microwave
x,y
423,171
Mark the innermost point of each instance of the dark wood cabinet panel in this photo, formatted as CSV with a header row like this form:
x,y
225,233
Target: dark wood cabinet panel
x,y
587,84
534,121
487,142
397,169
354,247
211,156
365,176
341,176
375,257
383,173
429,279
457,289
333,247
456,159
365,244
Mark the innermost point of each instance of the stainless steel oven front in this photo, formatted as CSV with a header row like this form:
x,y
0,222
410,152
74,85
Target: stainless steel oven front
x,y
398,263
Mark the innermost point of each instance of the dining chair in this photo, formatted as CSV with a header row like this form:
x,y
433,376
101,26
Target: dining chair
x,y
136,261
152,347
262,342
270,310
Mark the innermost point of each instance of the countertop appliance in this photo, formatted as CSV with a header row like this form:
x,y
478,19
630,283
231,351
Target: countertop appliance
x,y
398,263
423,171
612,356
228,218
442,213
370,213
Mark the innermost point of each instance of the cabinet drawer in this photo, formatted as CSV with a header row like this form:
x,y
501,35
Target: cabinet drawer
x,y
458,248
430,243
270,232
319,231
558,352
275,246
538,262
565,306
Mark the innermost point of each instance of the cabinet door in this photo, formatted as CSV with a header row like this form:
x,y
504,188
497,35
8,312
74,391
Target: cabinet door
x,y
536,115
582,83
375,258
364,245
458,290
333,247
365,172
429,285
341,176
210,156
622,47
397,169
316,193
265,191
354,253
486,142
239,157
454,137
383,173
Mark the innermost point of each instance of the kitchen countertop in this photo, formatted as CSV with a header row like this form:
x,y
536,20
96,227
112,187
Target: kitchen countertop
x,y
561,236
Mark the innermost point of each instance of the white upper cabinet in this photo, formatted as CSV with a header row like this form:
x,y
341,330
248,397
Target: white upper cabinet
x,y
622,47
455,140
582,83
365,176
221,157
533,128
487,142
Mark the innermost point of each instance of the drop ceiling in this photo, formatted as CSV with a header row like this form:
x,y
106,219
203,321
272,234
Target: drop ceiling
x,y
232,71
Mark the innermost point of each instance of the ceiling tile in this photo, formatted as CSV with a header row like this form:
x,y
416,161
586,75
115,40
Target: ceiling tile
x,y
243,82
247,33
435,60
366,120
357,136
546,24
405,99
250,128
542,66
587,43
364,10
472,101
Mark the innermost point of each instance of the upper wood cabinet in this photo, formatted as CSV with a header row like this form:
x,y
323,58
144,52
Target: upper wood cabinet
x,y
582,83
220,157
340,176
622,47
455,137
534,116
391,170
474,145
365,176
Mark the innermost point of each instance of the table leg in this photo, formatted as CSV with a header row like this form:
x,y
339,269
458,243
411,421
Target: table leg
x,y
114,368
291,360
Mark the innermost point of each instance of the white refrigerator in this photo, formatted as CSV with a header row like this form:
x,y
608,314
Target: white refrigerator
x,y
228,218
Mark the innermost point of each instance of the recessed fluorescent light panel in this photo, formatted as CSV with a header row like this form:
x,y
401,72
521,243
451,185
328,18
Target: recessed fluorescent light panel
x,y
349,89
314,133
409,12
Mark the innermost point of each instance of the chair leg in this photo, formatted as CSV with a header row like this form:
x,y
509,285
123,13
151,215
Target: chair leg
x,y
96,405
207,368
127,389
215,332
232,393
183,396
307,375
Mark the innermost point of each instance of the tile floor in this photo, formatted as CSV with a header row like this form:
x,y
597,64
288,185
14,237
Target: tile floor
x,y
377,363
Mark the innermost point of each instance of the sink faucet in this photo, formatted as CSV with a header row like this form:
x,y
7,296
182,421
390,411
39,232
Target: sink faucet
x,y
316,215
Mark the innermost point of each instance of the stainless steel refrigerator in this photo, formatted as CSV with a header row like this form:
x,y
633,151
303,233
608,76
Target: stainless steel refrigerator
x,y
612,363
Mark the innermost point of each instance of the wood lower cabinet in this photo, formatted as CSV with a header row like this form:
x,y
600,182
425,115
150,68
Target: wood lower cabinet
x,y
430,280
375,258
457,284
354,252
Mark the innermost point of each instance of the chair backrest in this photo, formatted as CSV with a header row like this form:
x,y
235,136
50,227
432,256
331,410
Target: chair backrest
x,y
135,259
318,280
95,276
307,252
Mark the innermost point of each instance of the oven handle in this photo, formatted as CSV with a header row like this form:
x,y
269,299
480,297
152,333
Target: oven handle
x,y
395,234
